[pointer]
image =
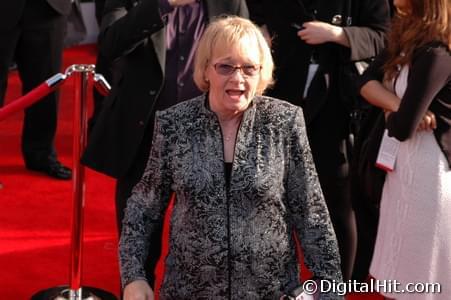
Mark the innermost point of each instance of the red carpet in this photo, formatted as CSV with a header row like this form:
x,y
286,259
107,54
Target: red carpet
x,y
35,218
35,213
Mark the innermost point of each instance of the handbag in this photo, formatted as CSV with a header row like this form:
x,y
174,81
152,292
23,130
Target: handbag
x,y
369,179
367,182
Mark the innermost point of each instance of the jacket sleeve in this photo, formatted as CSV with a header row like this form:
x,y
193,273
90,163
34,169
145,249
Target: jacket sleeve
x,y
242,10
146,207
217,8
367,34
124,28
256,11
430,72
308,210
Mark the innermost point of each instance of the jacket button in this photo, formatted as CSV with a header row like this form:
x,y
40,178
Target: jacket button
x,y
152,92
141,123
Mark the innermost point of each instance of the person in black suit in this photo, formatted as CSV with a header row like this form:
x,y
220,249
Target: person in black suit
x,y
324,37
99,4
32,34
103,67
134,36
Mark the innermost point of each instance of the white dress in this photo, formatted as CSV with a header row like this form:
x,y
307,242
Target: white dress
x,y
413,242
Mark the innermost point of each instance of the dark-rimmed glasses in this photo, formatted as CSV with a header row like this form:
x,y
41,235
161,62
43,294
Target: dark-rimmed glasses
x,y
227,70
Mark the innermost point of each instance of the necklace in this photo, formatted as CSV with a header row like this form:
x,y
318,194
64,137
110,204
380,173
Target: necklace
x,y
229,129
227,138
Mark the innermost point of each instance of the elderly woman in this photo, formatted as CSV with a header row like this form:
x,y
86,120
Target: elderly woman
x,y
245,184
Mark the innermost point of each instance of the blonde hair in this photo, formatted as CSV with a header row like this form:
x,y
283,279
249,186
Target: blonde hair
x,y
226,32
424,21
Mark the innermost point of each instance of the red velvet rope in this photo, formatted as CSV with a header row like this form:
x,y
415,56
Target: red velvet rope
x,y
33,96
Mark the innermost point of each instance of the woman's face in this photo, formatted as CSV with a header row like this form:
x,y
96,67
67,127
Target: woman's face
x,y
233,75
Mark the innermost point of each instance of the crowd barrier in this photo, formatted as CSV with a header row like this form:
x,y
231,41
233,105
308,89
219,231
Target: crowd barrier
x,y
82,72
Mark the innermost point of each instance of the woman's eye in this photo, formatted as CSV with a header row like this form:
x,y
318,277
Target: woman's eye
x,y
250,69
226,68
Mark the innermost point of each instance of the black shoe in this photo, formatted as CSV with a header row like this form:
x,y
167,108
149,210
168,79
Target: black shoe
x,y
54,169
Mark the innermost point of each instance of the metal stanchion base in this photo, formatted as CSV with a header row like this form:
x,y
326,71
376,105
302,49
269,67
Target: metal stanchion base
x,y
62,293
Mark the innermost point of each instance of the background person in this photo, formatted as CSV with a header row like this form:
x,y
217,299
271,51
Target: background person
x,y
32,35
151,44
244,180
325,37
413,244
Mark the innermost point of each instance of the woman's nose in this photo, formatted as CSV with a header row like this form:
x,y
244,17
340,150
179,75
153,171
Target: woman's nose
x,y
238,74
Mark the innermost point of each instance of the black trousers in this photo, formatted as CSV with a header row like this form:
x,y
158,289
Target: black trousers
x,y
36,45
328,136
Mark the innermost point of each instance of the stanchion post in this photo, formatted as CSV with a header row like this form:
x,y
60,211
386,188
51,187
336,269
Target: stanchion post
x,y
79,144
75,291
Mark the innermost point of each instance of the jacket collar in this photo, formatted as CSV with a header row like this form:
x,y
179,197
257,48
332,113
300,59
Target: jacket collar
x,y
206,109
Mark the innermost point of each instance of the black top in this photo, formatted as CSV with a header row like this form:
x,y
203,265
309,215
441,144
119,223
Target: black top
x,y
428,88
227,173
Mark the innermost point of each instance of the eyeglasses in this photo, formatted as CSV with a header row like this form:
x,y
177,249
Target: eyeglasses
x,y
227,70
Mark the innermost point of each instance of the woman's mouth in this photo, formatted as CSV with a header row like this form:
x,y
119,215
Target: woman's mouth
x,y
235,93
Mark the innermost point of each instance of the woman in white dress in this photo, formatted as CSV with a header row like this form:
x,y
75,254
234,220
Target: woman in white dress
x,y
411,81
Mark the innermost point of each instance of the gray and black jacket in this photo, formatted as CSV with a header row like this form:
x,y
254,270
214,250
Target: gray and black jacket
x,y
235,243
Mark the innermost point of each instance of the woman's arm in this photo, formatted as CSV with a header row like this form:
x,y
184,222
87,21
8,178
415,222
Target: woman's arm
x,y
145,208
378,95
308,210
429,73
126,24
124,28
366,35
371,88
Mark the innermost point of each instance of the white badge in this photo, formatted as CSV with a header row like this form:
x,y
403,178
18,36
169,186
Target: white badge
x,y
388,150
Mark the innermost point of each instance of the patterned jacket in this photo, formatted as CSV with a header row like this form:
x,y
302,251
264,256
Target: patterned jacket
x,y
234,243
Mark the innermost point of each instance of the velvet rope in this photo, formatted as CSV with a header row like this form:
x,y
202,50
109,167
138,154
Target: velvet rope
x,y
33,96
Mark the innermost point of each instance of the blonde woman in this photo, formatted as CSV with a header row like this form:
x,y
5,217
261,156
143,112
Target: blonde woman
x,y
245,183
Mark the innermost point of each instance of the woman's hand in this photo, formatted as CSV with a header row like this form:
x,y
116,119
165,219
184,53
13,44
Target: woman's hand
x,y
315,33
138,290
428,122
